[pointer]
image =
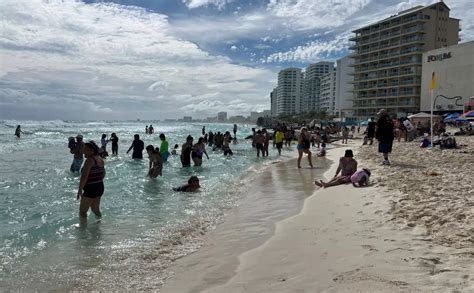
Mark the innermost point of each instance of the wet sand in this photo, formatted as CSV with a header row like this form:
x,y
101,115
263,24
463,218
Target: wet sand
x,y
343,240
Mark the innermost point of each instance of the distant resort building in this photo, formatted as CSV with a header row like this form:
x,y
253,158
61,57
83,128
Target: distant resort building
x,y
388,58
312,85
290,87
222,116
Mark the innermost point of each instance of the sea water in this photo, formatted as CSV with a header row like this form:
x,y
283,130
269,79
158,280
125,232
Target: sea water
x,y
145,225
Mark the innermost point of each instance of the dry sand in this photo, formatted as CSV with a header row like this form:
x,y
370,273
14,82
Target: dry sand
x,y
437,187
352,240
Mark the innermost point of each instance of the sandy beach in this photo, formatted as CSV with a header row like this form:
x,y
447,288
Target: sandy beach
x,y
397,235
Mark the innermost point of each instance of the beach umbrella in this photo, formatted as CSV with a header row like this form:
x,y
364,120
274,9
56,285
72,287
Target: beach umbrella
x,y
461,119
452,116
469,114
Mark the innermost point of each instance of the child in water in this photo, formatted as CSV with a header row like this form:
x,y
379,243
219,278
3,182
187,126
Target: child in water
x,y
322,151
193,185
174,152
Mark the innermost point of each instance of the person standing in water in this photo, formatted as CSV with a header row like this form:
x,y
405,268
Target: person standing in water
x,y
151,130
199,149
225,145
146,129
203,130
266,142
235,131
18,131
304,146
164,148
103,142
137,146
91,185
156,162
78,152
186,149
114,139
259,140
279,138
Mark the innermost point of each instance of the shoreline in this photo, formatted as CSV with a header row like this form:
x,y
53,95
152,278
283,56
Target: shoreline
x,y
246,226
341,240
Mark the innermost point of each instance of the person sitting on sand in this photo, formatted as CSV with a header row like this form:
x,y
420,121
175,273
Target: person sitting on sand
x,y
347,167
192,186
360,178
156,162
322,151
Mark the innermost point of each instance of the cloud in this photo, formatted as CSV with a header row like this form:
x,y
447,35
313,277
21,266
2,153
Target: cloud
x,y
113,61
220,4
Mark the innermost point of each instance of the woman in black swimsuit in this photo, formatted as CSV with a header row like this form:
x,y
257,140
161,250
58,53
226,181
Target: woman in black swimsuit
x,y
91,186
186,152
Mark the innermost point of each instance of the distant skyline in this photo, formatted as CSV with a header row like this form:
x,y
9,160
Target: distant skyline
x,y
161,59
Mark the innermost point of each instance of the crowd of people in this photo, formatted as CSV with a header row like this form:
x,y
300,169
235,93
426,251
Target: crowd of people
x,y
384,129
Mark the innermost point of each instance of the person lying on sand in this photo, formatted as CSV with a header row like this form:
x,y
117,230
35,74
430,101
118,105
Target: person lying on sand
x,y
360,178
347,167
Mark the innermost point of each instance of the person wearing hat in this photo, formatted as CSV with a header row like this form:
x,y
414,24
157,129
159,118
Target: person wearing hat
x,y
347,167
384,134
78,152
186,150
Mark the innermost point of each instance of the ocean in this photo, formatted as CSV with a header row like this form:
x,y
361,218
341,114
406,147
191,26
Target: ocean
x,y
145,226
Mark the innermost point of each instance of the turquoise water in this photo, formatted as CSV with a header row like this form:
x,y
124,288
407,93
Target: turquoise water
x,y
145,224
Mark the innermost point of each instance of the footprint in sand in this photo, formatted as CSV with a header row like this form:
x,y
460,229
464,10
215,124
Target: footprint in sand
x,y
369,247
368,203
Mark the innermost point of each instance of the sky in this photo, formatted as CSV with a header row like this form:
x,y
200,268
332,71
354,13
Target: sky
x,y
160,59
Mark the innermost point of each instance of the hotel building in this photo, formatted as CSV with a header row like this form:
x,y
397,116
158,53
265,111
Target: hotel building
x,y
289,92
327,96
388,58
312,84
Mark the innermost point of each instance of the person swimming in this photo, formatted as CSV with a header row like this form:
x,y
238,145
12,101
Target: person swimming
x,y
192,186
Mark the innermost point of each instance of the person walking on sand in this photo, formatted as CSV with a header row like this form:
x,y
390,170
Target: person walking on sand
x,y
371,130
91,185
345,134
156,162
186,149
384,134
137,146
347,167
78,152
18,131
164,147
304,146
114,139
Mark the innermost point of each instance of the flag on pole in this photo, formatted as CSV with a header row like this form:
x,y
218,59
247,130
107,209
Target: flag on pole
x,y
433,81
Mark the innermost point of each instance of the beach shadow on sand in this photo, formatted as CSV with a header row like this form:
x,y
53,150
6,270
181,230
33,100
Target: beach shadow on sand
x,y
409,166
